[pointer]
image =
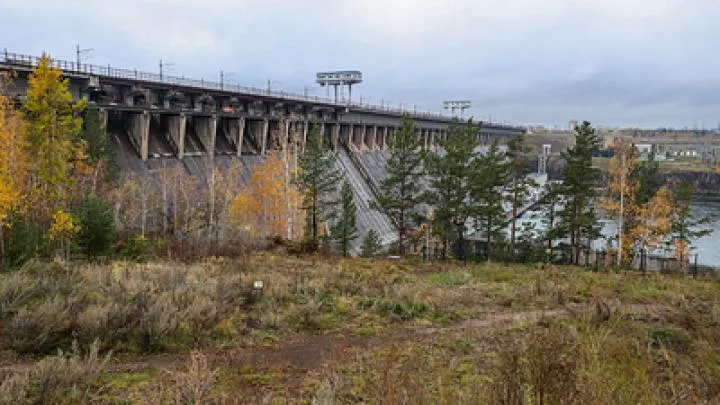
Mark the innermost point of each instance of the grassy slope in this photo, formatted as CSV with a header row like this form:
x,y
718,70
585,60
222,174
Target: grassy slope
x,y
380,318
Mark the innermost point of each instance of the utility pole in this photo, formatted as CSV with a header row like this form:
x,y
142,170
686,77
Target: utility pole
x,y
163,66
622,207
78,55
222,77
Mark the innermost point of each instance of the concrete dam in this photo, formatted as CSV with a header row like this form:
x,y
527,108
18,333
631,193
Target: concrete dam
x,y
160,121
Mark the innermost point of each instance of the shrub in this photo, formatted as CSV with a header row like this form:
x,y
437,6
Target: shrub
x,y
137,249
40,329
405,310
64,377
195,384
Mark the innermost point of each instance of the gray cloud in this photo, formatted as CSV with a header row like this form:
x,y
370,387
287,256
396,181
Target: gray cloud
x,y
615,62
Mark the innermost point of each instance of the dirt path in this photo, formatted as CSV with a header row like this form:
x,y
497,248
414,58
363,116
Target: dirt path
x,y
310,352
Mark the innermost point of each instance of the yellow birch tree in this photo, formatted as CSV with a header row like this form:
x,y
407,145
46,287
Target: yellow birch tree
x,y
260,209
621,183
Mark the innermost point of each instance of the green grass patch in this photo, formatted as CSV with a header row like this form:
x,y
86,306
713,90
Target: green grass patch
x,y
449,278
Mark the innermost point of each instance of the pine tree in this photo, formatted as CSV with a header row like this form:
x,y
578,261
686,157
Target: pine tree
x,y
53,123
371,244
97,227
685,226
549,203
451,173
647,174
487,193
401,191
579,220
345,230
520,182
317,182
100,153
22,241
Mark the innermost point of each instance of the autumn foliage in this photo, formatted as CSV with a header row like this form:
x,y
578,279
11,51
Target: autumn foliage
x,y
13,160
261,208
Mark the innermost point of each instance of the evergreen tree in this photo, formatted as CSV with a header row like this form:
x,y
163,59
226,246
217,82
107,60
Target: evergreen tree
x,y
647,175
317,182
401,191
487,193
520,183
685,226
345,231
451,173
549,203
100,152
97,227
53,123
579,220
371,244
22,241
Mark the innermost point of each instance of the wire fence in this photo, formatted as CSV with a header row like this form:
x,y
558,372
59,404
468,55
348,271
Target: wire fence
x,y
593,260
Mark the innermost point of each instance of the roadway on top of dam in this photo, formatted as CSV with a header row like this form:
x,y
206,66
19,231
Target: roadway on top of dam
x,y
88,77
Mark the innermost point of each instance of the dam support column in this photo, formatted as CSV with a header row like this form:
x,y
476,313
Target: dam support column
x,y
103,118
240,135
350,142
177,126
374,140
139,132
306,125
264,137
335,136
363,133
206,128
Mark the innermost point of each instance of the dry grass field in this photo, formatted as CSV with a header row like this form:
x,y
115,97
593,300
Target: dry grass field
x,y
325,330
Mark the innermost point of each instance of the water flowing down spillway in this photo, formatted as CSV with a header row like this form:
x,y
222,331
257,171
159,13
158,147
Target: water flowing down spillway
x,y
367,217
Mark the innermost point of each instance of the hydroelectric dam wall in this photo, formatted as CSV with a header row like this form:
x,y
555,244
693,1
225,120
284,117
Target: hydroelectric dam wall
x,y
157,121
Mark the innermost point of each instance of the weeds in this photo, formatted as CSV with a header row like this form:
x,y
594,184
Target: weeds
x,y
64,377
195,384
602,356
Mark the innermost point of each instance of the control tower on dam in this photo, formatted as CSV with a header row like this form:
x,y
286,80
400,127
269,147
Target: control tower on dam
x,y
166,116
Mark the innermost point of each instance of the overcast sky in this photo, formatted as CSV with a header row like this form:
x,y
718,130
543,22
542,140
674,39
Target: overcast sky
x,y
642,63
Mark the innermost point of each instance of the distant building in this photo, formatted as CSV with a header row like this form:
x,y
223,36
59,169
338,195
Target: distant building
x,y
644,148
572,125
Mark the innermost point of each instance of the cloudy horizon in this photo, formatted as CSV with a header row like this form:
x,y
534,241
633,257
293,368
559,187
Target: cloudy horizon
x,y
615,63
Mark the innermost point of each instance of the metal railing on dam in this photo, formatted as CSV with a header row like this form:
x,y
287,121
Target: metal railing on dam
x,y
15,60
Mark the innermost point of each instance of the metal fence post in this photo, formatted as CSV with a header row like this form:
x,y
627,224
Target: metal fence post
x,y
597,260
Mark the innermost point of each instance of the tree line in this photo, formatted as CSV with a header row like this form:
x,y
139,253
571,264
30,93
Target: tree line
x,y
464,190
62,194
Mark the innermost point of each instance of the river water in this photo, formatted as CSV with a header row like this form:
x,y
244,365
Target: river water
x,y
706,248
